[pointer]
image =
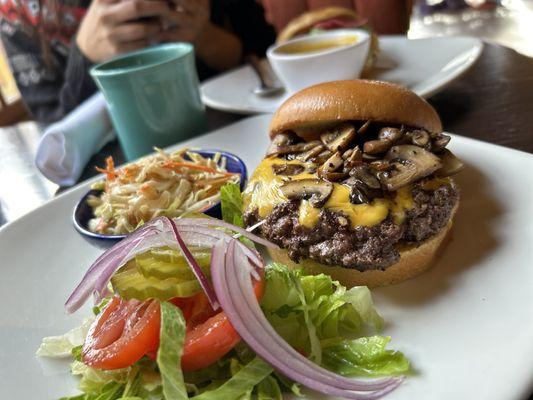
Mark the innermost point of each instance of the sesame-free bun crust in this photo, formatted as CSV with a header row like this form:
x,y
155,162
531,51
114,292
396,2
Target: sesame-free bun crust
x,y
306,21
413,261
320,106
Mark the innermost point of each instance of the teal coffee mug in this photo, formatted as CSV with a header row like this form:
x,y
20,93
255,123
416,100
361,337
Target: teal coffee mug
x,y
152,96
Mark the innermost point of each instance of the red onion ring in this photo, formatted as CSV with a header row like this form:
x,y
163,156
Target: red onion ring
x,y
157,233
216,235
242,281
204,282
101,266
234,290
222,224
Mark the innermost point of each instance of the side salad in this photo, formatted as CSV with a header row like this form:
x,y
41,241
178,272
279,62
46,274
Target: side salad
x,y
186,308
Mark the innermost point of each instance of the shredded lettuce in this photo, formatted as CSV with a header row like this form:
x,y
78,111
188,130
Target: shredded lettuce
x,y
336,322
76,352
62,346
231,204
314,341
366,356
268,389
232,208
287,384
97,309
172,336
138,381
332,310
219,371
241,383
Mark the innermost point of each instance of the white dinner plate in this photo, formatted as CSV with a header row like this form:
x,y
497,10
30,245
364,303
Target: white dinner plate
x,y
466,325
425,66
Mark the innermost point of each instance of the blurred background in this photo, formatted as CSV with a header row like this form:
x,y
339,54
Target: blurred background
x,y
503,22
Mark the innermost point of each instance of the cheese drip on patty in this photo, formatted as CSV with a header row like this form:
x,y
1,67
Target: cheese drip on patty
x,y
263,193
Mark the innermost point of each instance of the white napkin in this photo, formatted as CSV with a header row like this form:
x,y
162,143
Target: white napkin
x,y
67,145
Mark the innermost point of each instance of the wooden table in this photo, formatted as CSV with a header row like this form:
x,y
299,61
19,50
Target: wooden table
x,y
493,101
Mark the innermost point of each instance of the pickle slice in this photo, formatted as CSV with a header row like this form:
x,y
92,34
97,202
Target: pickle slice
x,y
129,283
166,263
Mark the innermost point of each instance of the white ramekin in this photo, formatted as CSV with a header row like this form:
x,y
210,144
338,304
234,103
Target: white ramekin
x,y
297,71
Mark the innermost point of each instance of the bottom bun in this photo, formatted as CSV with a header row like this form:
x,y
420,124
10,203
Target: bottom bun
x,y
414,259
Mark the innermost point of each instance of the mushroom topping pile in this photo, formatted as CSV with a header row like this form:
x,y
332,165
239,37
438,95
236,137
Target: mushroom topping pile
x,y
317,191
288,169
369,157
450,164
409,163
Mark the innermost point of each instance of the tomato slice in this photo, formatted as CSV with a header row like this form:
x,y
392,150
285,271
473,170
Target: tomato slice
x,y
196,309
209,341
125,331
122,333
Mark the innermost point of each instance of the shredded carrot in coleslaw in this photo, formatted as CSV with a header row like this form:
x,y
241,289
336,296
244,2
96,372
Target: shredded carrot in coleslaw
x,y
158,185
109,170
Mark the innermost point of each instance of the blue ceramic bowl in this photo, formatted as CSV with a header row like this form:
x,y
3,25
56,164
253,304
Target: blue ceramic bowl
x,y
83,211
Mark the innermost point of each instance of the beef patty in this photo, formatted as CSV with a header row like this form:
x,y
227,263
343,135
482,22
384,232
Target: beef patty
x,y
332,241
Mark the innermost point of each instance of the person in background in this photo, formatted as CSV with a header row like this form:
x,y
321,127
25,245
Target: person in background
x,y
51,44
386,17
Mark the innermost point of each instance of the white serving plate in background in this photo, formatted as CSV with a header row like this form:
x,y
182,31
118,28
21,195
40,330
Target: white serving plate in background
x,y
466,325
425,66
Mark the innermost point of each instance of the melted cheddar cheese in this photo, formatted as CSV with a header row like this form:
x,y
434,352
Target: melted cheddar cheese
x,y
263,193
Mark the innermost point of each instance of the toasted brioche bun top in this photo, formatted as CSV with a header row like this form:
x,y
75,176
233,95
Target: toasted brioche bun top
x,y
304,22
323,105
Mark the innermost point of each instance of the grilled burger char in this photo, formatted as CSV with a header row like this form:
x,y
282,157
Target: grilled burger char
x,y
333,241
358,184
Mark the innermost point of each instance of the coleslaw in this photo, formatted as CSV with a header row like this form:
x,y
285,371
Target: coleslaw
x,y
161,184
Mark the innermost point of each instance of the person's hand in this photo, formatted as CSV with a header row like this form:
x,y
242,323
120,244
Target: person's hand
x,y
185,22
112,27
188,21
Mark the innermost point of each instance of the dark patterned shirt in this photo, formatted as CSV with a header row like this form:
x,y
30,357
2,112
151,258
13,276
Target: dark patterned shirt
x,y
51,90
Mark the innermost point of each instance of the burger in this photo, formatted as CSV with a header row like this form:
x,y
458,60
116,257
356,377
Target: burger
x,y
356,183
327,19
